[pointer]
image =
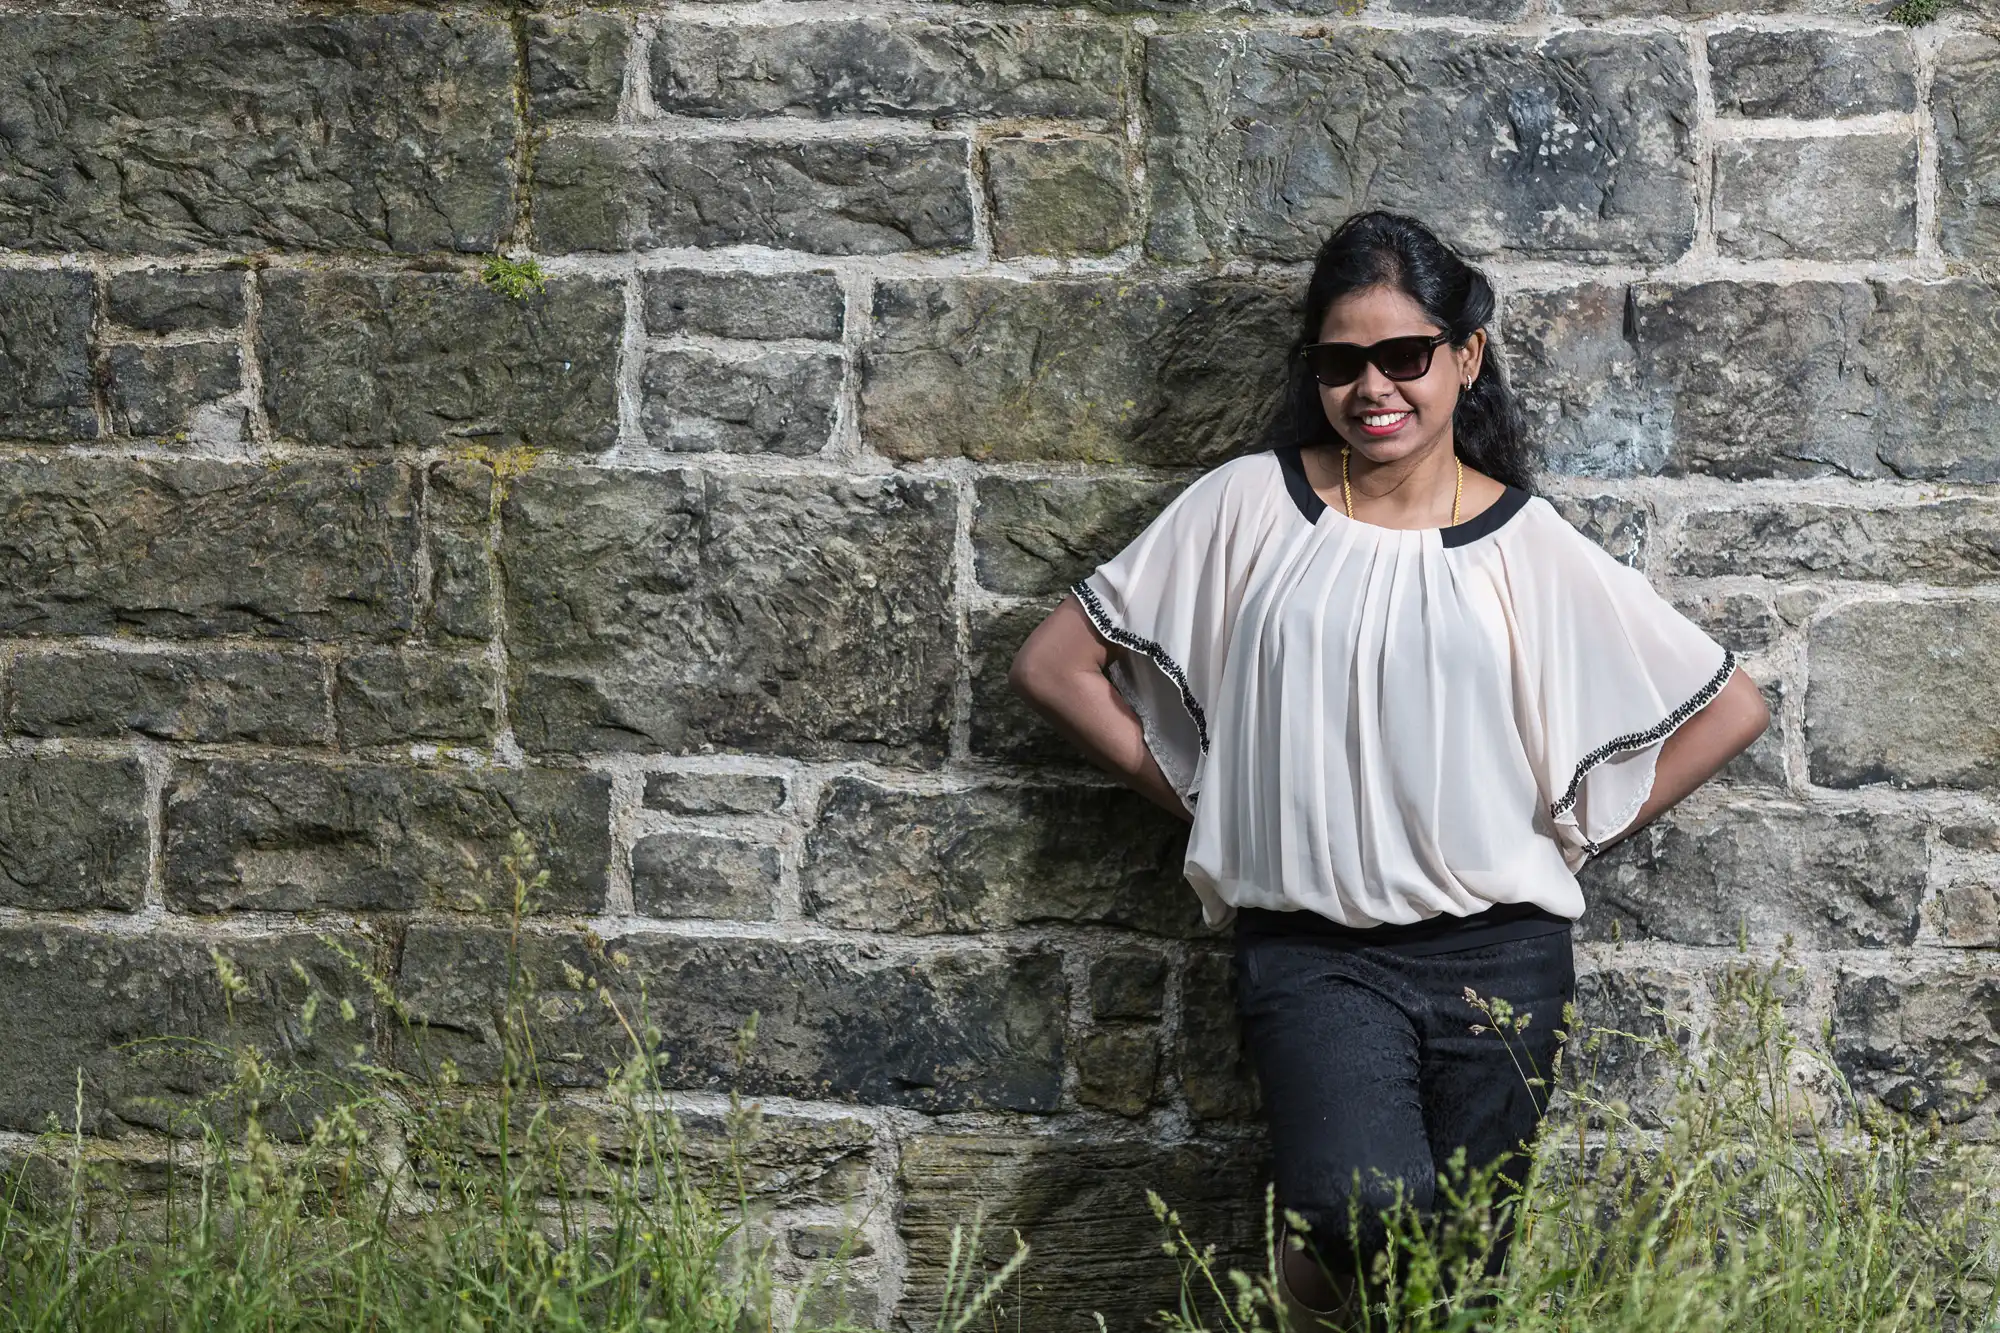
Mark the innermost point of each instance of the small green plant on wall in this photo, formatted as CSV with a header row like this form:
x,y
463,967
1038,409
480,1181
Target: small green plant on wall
x,y
518,278
1915,12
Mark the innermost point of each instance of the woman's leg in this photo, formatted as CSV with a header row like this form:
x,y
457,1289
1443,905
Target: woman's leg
x,y
1337,1063
1476,1086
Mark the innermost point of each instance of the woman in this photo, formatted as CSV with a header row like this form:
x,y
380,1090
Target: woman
x,y
1401,701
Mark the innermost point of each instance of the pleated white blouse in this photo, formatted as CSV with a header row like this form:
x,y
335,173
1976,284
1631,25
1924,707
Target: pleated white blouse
x,y
1381,725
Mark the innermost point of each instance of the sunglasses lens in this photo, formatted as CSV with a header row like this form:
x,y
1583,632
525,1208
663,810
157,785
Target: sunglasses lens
x,y
1404,358
1334,365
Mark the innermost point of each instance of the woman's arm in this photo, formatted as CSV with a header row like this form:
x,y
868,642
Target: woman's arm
x,y
1723,729
1060,672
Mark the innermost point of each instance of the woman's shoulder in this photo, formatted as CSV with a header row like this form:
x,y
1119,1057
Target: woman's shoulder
x,y
1244,472
1543,524
1244,483
1579,549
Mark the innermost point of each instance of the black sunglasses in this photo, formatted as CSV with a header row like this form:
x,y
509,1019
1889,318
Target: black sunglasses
x,y
1335,364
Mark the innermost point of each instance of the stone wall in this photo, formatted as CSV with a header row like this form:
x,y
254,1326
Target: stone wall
x,y
325,565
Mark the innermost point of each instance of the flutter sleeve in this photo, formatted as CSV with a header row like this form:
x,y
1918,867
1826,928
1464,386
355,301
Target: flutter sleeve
x,y
1608,670
1168,600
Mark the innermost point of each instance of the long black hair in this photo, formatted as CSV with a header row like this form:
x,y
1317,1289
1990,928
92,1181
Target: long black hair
x,y
1382,249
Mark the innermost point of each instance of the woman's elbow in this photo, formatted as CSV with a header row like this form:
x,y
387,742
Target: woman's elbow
x,y
1749,712
1027,675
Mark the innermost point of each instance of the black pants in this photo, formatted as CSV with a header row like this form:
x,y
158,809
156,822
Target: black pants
x,y
1367,1062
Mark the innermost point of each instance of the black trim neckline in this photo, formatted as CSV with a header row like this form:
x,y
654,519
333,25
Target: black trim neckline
x,y
1487,520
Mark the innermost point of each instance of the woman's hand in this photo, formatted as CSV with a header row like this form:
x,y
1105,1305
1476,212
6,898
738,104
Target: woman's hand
x,y
1723,729
1060,672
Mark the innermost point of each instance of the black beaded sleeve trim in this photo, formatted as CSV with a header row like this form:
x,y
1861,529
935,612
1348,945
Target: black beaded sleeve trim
x,y
1639,740
1100,618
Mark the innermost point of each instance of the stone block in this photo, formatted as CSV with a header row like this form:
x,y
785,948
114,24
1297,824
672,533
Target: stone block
x,y
1852,197
846,1295
1743,622
284,837
820,1241
788,1159
576,65
1040,68
392,696
1764,763
459,500
1619,526
777,1158
1921,1038
1128,983
1106,370
1063,196
1966,913
1573,361
1217,1077
991,858
1612,998
1118,1068
686,873
1905,693
192,548
1492,10
79,1002
155,300
1080,1204
693,400
1952,541
969,1029
827,196
1576,146
665,611
1975,835
1038,535
73,836
745,305
1707,9
387,132
1754,379
1004,726
714,793
1829,879
1965,105
421,360
157,390
1811,73
208,695
1934,351
45,375
1799,602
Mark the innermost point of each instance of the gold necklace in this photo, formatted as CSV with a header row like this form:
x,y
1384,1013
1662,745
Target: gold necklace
x,y
1347,492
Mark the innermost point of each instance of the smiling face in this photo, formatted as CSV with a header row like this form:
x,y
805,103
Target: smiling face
x,y
1383,419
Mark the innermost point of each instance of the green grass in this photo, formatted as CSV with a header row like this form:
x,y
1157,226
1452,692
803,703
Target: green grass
x,y
401,1199
1764,1198
1757,1196
518,278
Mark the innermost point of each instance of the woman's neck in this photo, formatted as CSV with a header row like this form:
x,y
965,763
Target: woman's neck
x,y
1411,492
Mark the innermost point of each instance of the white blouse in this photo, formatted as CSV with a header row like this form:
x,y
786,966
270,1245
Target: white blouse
x,y
1378,724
